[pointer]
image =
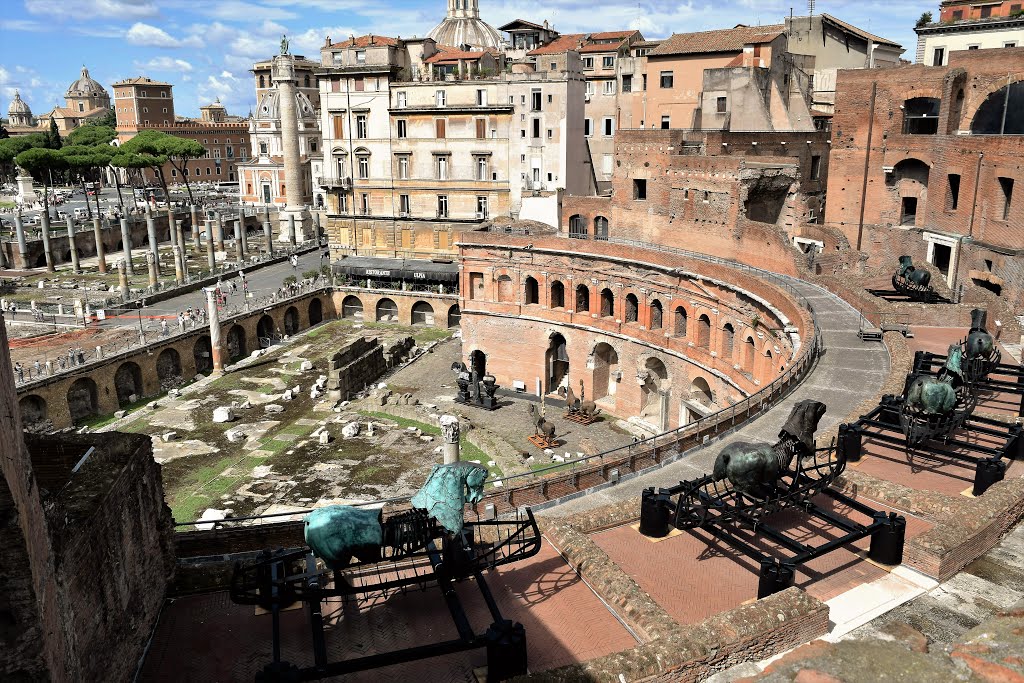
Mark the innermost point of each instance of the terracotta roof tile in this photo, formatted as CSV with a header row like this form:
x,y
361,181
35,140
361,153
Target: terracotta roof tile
x,y
569,41
366,41
611,35
453,56
601,47
724,40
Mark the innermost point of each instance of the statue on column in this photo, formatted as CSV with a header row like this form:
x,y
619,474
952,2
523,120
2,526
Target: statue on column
x,y
284,44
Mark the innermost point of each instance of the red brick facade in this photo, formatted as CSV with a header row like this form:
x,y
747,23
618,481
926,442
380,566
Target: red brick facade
x,y
964,191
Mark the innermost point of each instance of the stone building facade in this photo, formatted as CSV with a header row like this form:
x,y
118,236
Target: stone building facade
x,y
964,25
926,162
648,335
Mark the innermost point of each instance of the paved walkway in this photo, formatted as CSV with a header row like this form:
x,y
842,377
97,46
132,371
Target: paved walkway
x,y
848,372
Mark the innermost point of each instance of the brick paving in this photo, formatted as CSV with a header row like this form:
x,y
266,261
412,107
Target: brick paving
x,y
565,623
694,575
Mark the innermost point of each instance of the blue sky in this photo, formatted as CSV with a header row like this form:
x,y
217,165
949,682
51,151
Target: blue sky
x,y
204,47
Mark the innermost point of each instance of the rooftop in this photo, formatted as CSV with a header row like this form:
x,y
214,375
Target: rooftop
x,y
369,40
724,40
142,80
850,28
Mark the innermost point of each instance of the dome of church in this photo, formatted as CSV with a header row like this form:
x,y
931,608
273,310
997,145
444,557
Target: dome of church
x,y
269,106
18,106
85,86
463,26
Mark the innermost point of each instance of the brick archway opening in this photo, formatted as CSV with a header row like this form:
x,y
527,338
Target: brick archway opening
x,y
128,383
82,400
202,354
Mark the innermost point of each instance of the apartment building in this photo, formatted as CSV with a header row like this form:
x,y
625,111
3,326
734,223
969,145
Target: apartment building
x,y
410,160
970,25
141,102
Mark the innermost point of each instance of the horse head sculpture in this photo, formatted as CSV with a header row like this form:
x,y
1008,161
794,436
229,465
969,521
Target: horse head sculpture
x,y
907,270
937,396
448,489
754,468
980,343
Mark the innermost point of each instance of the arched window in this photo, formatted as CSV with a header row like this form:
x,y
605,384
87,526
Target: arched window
x,y
263,83
703,331
600,228
557,295
607,303
306,81
727,338
749,354
632,308
530,294
582,299
656,315
577,228
921,116
1002,112
680,322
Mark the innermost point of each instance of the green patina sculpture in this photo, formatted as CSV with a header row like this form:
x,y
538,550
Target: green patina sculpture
x,y
448,489
980,343
753,468
907,270
937,396
338,533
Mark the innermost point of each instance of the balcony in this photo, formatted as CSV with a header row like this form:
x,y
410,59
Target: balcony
x,y
340,183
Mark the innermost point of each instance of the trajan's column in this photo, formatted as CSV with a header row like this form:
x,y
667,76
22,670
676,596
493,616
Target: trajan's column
x,y
283,74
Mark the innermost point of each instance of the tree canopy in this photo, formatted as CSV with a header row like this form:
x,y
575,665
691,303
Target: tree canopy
x,y
923,20
53,140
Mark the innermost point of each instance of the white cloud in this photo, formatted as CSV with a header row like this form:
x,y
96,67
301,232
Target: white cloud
x,y
150,36
119,9
235,10
164,63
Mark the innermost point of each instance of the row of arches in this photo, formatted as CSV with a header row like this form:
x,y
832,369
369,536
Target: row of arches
x,y
386,310
578,228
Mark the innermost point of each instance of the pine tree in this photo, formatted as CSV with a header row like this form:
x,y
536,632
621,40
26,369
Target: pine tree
x,y
53,137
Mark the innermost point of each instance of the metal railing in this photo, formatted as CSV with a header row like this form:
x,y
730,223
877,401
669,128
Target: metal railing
x,y
574,476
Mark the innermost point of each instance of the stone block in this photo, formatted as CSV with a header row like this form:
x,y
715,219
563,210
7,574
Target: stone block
x,y
273,408
120,413
287,395
306,366
257,353
350,430
223,414
235,435
170,436
325,437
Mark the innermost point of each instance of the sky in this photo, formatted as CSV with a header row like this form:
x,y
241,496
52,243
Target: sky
x,y
205,47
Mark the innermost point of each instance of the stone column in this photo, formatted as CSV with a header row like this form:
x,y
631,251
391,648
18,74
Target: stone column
x,y
291,229
153,241
283,73
194,212
153,270
239,249
126,241
44,227
179,267
316,224
101,252
220,231
450,434
216,343
211,260
245,236
179,228
71,245
19,230
268,233
122,276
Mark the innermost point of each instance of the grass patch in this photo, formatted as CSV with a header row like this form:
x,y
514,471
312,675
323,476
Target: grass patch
x,y
403,422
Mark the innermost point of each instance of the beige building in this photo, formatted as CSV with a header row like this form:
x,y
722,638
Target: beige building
x,y
142,102
409,162
85,99
262,179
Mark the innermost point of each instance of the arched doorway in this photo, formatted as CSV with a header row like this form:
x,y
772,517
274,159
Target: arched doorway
x,y
265,331
82,403
600,228
577,227
607,303
531,293
582,299
1002,112
387,311
291,320
202,355
700,391
654,394
168,368
556,360
557,295
237,343
454,316
422,313
657,315
606,371
352,308
128,383
632,308
33,410
316,312
703,331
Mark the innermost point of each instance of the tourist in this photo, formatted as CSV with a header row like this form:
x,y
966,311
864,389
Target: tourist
x,y
71,357
295,264
81,357
60,362
164,332
21,372
38,368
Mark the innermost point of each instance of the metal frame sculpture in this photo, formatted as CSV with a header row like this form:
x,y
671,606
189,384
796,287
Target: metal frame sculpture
x,y
475,390
751,482
543,436
579,410
912,282
981,353
432,543
932,407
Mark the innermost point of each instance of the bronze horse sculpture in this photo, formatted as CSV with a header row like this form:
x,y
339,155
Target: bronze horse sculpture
x,y
938,396
754,468
981,356
578,405
542,427
908,271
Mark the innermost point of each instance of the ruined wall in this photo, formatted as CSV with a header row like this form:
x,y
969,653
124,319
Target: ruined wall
x,y
355,367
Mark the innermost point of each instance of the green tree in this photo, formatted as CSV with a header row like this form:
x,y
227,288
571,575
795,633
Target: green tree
x,y
12,147
53,136
41,162
82,160
145,150
99,138
179,151
3,132
924,19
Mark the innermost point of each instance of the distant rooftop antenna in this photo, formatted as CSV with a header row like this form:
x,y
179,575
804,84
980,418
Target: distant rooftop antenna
x,y
810,7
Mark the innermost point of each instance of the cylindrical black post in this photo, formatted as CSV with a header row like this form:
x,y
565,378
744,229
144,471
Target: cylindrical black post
x,y
1016,449
989,471
850,444
774,577
506,651
887,540
655,513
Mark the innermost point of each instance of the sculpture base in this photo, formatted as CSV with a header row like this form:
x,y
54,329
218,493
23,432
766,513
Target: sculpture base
x,y
26,192
581,419
304,229
484,402
543,442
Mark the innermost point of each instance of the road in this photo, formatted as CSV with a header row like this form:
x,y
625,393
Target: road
x,y
261,282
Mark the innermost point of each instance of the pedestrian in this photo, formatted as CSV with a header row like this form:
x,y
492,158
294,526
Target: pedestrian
x,y
38,368
60,362
164,332
81,357
295,263
71,357
21,372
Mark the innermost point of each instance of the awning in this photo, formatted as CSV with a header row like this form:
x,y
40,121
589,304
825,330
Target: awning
x,y
397,269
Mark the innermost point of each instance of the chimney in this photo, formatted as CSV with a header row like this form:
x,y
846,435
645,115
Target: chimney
x,y
371,39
